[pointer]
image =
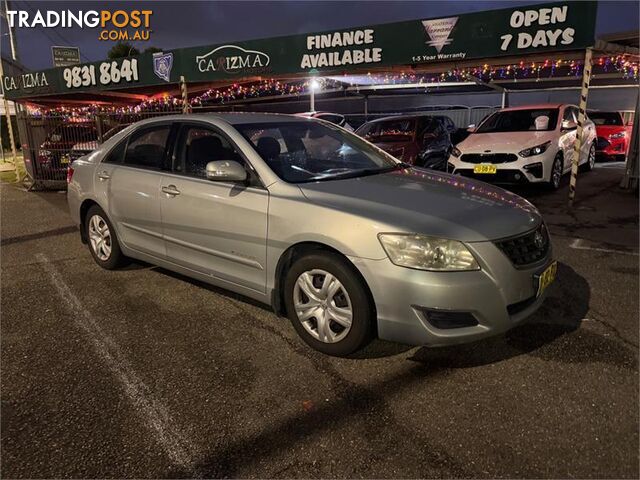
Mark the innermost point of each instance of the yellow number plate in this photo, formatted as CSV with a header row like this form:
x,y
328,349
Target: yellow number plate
x,y
547,277
64,159
484,168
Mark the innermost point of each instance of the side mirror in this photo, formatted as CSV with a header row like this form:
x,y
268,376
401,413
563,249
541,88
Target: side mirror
x,y
225,171
568,125
471,128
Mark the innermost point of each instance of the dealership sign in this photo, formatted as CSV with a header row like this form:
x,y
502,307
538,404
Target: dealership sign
x,y
516,31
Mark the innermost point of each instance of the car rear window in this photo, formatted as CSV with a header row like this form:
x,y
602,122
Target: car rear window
x,y
606,118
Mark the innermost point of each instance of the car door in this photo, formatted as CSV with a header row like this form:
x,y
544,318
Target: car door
x,y
132,177
215,228
568,137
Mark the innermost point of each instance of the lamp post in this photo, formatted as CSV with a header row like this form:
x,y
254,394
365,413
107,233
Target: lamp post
x,y
313,86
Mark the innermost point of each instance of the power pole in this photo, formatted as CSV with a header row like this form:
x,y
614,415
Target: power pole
x,y
14,56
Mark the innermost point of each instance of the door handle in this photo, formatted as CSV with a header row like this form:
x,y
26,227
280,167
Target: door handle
x,y
171,190
104,176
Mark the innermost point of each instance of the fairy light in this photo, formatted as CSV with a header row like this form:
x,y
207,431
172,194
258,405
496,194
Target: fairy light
x,y
548,68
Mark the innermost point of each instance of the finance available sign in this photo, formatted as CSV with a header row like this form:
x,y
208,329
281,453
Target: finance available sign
x,y
515,31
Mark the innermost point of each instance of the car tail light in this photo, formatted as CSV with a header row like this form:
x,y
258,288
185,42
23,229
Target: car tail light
x,y
69,174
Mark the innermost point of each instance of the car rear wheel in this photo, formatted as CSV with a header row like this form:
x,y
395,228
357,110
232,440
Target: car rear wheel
x,y
103,241
556,173
328,304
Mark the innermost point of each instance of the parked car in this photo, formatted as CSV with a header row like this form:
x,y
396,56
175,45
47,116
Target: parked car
x,y
53,157
613,134
418,139
532,144
311,219
82,148
334,118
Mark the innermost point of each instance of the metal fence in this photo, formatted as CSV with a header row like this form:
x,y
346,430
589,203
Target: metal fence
x,y
51,142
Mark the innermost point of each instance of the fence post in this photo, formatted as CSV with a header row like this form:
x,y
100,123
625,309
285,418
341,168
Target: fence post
x,y
186,108
584,93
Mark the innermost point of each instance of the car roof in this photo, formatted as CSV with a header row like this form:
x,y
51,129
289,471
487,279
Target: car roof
x,y
405,116
535,106
233,118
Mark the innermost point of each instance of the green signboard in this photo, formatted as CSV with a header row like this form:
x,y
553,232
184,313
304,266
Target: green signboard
x,y
517,31
65,56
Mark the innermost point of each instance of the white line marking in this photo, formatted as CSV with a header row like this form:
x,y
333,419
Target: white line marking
x,y
167,433
577,244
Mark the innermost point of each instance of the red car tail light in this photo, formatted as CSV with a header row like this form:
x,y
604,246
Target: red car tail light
x,y
69,174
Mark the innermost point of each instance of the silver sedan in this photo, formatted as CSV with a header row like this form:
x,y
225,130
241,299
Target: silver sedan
x,y
329,230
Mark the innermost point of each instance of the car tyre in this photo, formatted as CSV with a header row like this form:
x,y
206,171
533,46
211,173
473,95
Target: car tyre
x,y
329,304
556,173
591,159
103,240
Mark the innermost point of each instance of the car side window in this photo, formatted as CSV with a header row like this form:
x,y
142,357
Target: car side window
x,y
198,146
147,147
117,153
569,114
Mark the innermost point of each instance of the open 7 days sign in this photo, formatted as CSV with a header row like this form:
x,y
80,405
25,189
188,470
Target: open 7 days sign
x,y
541,28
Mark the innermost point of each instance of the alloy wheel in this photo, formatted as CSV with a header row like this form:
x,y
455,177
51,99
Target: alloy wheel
x,y
323,306
556,173
100,237
592,157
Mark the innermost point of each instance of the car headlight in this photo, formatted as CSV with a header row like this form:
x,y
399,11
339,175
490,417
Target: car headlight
x,y
537,150
617,135
455,151
427,253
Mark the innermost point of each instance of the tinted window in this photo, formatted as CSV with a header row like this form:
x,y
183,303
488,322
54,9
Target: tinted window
x,y
606,118
198,146
313,151
400,130
147,147
570,114
520,121
116,154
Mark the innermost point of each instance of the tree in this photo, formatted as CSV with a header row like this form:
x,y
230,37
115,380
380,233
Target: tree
x,y
152,50
122,49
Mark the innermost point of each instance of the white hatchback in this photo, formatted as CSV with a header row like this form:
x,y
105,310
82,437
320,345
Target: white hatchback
x,y
532,144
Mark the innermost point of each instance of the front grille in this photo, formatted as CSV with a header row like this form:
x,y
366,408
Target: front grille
x,y
602,143
526,249
489,157
501,176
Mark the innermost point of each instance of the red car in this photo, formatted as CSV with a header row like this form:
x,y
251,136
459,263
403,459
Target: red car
x,y
613,134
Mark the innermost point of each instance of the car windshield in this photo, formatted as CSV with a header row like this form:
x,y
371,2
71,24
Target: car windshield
x,y
311,151
606,118
399,130
539,119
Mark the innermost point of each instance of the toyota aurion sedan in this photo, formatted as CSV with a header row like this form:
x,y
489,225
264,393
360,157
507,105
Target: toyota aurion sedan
x,y
522,145
332,232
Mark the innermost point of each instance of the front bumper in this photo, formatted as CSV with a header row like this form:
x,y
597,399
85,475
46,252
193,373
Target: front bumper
x,y
498,295
521,171
615,146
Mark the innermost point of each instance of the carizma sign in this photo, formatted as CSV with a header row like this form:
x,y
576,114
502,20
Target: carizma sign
x,y
232,59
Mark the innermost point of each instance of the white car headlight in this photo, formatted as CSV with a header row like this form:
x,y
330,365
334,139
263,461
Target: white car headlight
x,y
427,253
537,150
456,152
617,135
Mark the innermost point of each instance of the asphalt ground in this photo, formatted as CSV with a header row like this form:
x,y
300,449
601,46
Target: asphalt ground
x,y
144,373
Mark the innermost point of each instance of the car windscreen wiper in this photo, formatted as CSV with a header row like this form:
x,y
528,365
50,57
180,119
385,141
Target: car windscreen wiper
x,y
363,172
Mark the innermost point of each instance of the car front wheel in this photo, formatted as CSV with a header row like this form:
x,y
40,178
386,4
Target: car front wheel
x,y
556,173
328,304
591,159
103,241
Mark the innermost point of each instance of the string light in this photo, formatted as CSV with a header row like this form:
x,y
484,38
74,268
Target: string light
x,y
548,68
